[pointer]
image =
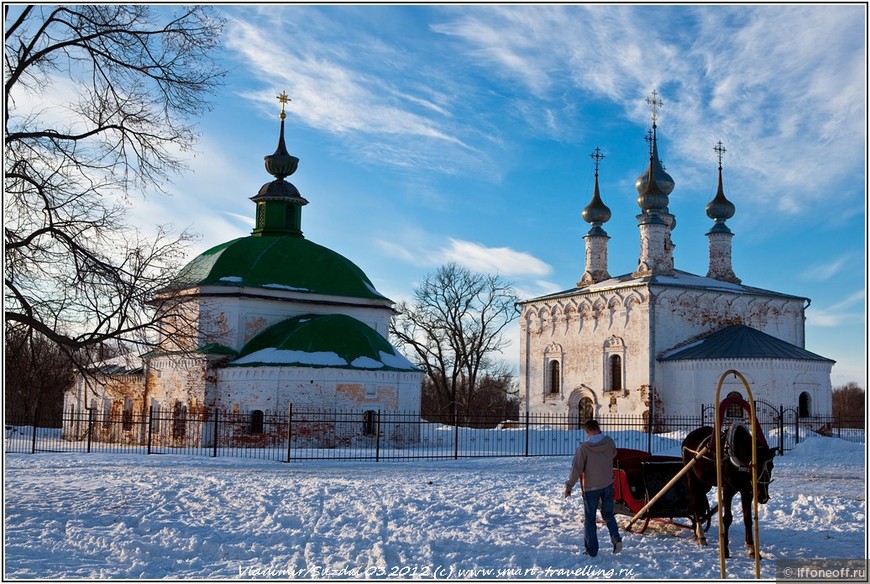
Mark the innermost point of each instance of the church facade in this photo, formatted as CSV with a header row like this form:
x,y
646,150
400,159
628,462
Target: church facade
x,y
655,341
259,325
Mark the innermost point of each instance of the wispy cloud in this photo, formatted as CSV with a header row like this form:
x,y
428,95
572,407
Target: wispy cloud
x,y
349,83
786,109
427,251
849,310
824,271
501,260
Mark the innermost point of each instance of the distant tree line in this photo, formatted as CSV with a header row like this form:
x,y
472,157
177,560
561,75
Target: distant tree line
x,y
848,404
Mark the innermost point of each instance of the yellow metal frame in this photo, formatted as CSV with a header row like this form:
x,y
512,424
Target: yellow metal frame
x,y
717,432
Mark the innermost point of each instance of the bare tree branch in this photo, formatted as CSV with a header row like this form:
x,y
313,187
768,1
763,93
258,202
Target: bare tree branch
x,y
76,273
454,328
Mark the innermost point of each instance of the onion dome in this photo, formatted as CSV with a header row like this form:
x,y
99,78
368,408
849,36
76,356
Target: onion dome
x,y
663,180
596,212
720,208
281,164
651,197
322,340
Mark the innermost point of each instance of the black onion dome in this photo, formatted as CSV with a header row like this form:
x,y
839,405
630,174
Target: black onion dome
x,y
596,212
651,198
663,180
281,163
720,208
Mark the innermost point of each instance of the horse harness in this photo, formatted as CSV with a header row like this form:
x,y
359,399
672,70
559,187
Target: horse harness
x,y
729,450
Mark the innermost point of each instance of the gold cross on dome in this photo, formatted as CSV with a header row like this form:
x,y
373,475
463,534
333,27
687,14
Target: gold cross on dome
x,y
283,98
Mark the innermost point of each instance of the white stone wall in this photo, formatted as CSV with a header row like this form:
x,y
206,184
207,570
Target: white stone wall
x,y
232,321
581,333
691,383
172,378
330,407
275,388
682,314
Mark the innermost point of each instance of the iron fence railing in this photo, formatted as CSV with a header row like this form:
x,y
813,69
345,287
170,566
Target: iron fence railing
x,y
307,434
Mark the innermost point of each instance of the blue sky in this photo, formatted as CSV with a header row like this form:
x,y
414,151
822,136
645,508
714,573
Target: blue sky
x,y
430,134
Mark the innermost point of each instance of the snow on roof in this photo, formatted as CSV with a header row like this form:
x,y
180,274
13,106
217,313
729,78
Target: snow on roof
x,y
679,279
322,340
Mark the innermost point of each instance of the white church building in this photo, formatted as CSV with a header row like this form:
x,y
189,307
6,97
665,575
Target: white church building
x,y
659,337
272,321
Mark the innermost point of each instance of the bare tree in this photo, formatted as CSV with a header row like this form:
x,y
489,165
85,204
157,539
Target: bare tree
x,y
37,372
98,99
453,330
848,404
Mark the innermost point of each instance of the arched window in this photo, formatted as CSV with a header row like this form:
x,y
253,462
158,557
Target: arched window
x,y
256,426
179,420
369,422
127,414
555,377
804,405
615,373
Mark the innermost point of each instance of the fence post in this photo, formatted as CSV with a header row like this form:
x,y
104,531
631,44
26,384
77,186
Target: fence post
x,y
90,426
781,429
652,417
527,433
289,431
215,441
378,436
150,427
35,423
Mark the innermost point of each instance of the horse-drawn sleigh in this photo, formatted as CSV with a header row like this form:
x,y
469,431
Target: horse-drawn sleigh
x,y
639,476
673,489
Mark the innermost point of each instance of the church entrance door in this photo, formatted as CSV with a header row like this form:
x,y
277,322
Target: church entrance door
x,y
585,412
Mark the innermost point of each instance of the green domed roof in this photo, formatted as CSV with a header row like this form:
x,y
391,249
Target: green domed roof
x,y
322,340
277,263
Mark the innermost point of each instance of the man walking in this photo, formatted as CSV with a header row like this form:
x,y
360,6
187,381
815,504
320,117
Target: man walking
x,y
593,461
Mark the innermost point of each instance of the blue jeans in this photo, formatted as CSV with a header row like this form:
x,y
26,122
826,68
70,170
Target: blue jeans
x,y
591,499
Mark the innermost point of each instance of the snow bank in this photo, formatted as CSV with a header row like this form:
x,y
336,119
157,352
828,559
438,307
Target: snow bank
x,y
147,517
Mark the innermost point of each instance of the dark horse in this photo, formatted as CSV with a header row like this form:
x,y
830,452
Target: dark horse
x,y
736,476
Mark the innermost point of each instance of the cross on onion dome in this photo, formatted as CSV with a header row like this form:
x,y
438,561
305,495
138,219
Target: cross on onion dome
x,y
597,156
283,98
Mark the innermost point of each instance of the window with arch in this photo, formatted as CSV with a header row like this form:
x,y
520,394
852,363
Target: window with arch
x,y
256,425
615,377
552,371
804,405
613,364
555,377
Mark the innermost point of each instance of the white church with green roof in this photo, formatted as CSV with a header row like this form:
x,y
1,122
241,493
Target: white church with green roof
x,y
281,322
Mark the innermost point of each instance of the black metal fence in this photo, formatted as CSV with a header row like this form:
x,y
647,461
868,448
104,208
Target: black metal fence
x,y
296,435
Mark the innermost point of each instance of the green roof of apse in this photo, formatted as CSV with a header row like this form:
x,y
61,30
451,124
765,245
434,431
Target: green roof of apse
x,y
277,263
322,340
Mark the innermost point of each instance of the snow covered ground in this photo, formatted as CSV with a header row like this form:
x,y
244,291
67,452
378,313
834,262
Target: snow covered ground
x,y
88,516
